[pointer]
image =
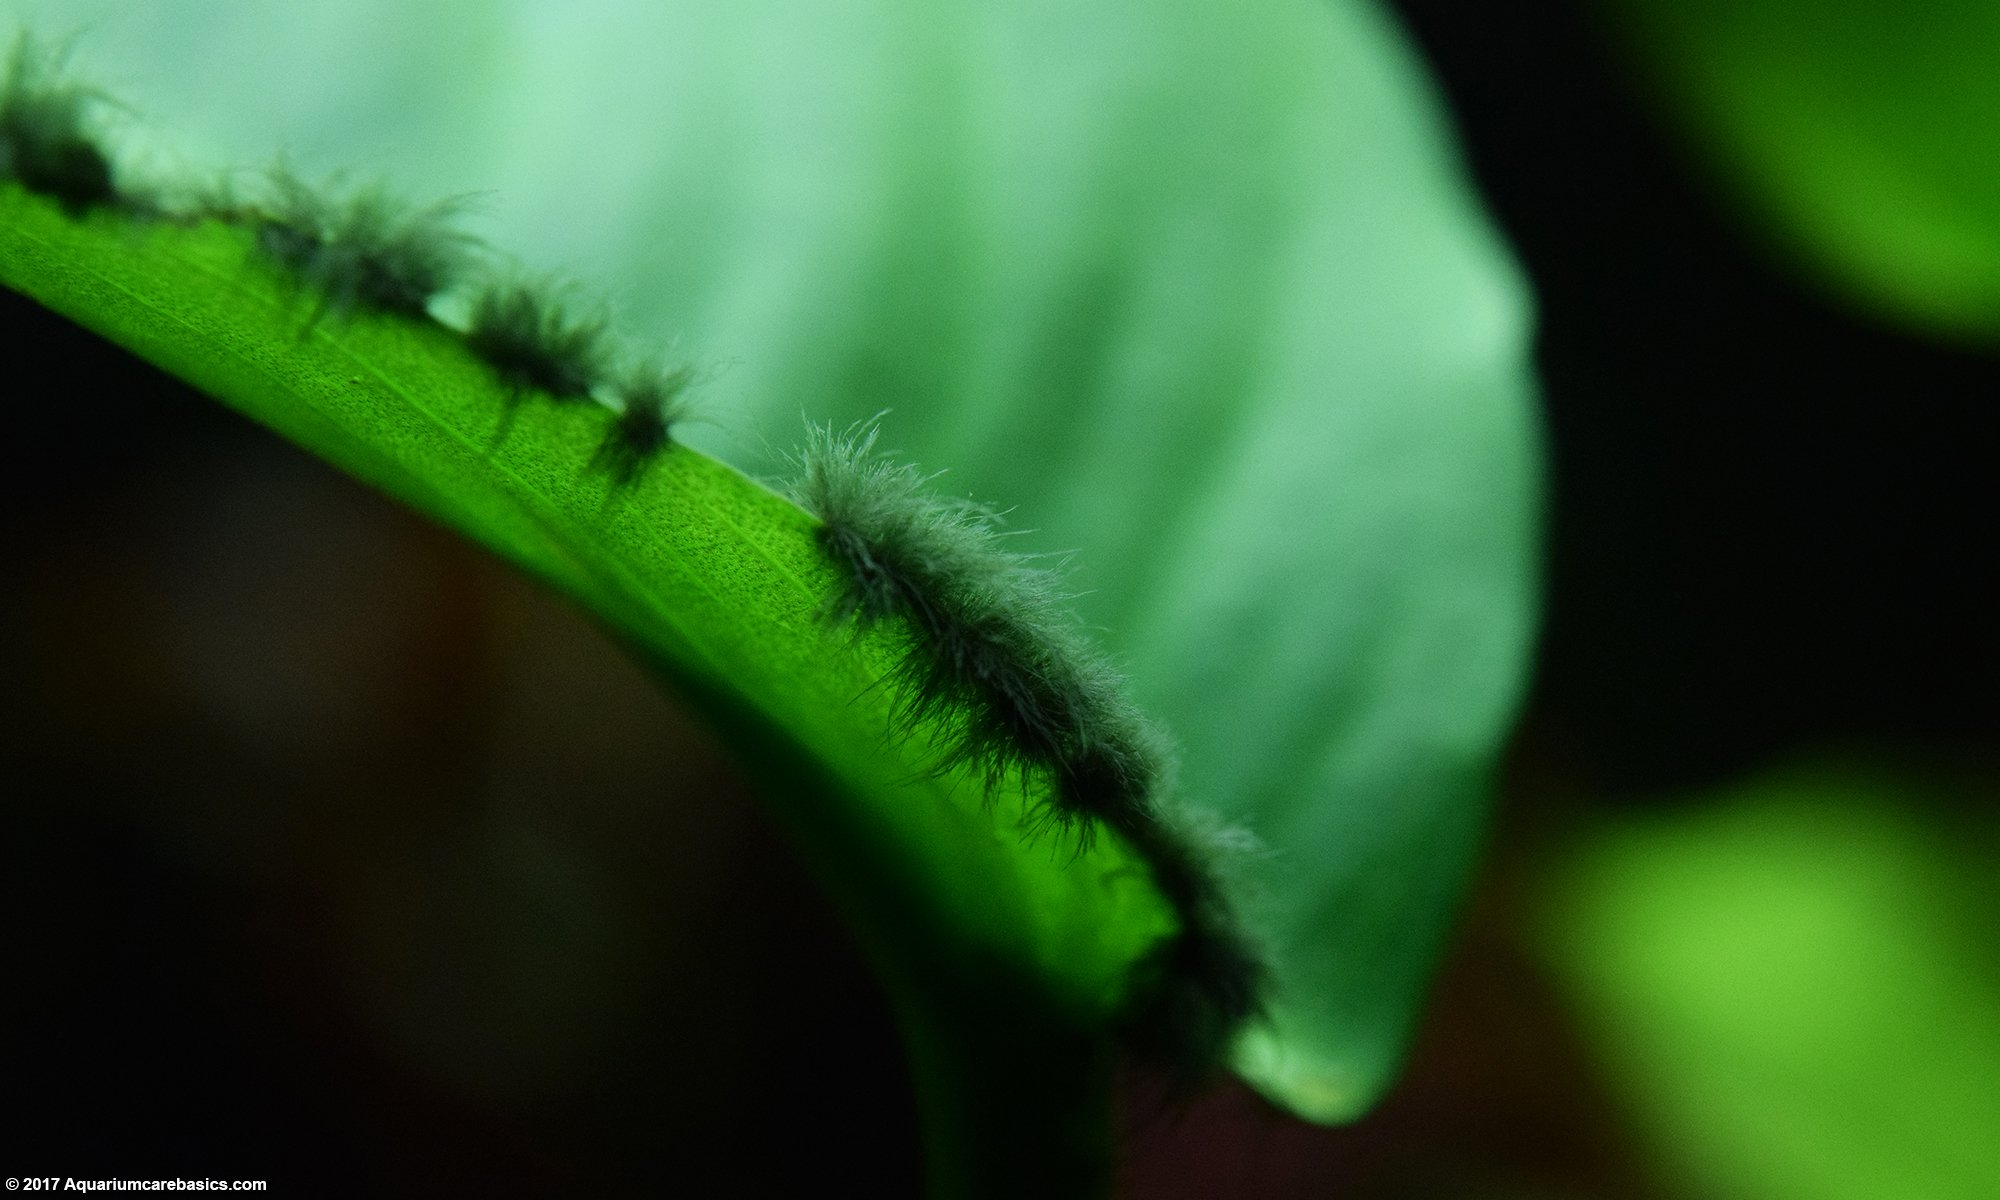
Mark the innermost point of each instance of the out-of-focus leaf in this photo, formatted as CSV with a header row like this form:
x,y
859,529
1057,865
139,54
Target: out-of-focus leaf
x,y
1861,133
1797,987
1194,290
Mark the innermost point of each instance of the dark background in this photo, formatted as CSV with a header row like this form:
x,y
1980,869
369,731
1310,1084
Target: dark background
x,y
301,885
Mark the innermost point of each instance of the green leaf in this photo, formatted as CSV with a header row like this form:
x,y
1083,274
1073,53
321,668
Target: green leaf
x,y
704,573
1196,292
1860,133
1199,293
1797,985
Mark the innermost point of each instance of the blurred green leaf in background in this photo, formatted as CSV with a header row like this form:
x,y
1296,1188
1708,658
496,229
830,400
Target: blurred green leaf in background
x,y
1795,985
1863,135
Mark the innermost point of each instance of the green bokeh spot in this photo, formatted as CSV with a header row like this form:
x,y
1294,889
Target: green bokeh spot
x,y
1797,986
1861,134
